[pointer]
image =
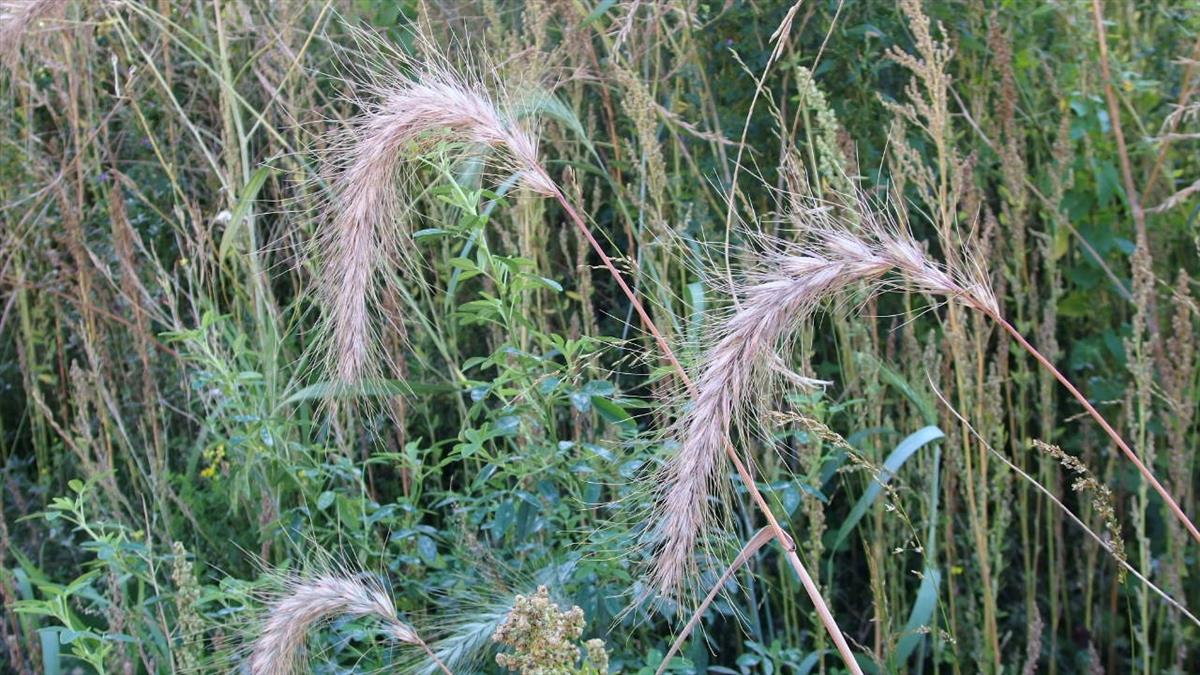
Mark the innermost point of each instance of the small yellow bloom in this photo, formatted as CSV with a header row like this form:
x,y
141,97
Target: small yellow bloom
x,y
215,456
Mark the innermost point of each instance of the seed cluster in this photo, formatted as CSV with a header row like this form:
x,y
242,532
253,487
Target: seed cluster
x,y
542,637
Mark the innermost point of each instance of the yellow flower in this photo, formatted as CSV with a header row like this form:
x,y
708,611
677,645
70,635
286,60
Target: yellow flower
x,y
214,456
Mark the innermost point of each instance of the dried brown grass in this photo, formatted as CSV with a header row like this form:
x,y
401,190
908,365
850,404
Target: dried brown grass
x,y
20,19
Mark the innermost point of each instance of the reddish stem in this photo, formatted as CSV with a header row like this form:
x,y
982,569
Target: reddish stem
x,y
789,547
1091,410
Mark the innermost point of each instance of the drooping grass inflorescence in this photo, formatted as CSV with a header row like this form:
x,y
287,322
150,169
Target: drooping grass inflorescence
x,y
408,111
279,644
787,282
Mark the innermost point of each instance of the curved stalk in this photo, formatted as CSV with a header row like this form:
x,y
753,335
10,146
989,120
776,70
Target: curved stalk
x,y
780,536
1095,414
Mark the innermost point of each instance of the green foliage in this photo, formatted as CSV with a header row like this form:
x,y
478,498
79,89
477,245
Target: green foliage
x,y
170,437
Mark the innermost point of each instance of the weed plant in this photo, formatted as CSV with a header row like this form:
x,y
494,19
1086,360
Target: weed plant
x,y
580,337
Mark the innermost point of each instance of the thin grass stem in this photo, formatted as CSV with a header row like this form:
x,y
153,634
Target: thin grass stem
x,y
777,531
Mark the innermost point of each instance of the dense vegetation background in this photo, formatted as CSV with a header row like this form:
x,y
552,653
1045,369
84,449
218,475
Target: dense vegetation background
x,y
170,439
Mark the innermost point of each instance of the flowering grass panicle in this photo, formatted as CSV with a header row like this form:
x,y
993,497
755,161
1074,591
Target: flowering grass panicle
x,y
408,111
280,644
190,625
786,284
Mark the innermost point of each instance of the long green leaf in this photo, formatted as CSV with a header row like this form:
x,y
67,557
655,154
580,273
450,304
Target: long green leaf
x,y
920,616
245,201
927,594
615,414
898,381
907,448
699,305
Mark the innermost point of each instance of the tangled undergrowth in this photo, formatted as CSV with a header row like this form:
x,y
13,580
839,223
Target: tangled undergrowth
x,y
596,337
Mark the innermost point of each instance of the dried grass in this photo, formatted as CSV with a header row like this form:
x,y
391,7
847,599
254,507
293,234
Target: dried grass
x,y
21,18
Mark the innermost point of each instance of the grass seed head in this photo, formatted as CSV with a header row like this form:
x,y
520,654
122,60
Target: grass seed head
x,y
410,111
279,646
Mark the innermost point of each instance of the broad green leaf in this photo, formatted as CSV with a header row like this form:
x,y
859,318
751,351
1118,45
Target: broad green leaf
x,y
427,549
51,660
614,414
325,500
